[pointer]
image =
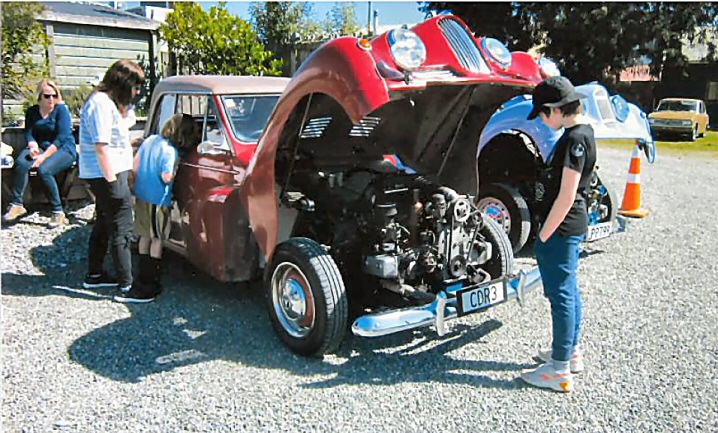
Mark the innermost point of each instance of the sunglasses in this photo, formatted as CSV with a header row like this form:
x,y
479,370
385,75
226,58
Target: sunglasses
x,y
46,96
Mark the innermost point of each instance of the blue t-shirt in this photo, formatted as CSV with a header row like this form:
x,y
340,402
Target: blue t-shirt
x,y
156,156
55,129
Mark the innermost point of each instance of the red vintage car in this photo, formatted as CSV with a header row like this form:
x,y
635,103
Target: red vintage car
x,y
290,183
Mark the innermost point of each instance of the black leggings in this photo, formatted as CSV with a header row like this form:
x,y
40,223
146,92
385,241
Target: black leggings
x,y
114,224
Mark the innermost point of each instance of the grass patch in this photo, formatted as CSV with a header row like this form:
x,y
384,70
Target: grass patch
x,y
705,146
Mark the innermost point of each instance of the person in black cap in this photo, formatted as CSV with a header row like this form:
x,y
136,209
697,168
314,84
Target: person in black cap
x,y
562,226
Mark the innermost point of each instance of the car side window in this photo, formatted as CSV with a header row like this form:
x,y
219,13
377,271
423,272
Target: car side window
x,y
212,130
165,110
203,109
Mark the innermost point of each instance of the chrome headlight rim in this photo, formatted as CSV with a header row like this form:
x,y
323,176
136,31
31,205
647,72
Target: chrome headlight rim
x,y
407,49
548,67
496,51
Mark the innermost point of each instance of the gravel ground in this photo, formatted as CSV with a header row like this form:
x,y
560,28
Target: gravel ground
x,y
204,356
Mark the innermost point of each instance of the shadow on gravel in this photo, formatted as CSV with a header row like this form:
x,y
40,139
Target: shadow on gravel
x,y
420,356
197,319
62,265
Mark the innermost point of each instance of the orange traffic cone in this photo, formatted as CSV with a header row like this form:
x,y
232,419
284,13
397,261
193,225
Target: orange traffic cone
x,y
631,206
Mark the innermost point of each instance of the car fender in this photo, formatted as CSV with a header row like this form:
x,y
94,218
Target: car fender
x,y
512,117
339,69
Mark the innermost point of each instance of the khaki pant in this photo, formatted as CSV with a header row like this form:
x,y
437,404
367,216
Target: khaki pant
x,y
152,221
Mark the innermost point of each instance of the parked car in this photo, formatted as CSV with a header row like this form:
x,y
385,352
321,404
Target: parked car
x,y
289,183
513,151
680,116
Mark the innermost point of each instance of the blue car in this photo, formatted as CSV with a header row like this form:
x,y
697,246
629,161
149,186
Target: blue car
x,y
513,151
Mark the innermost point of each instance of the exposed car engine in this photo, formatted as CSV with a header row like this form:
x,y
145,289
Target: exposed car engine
x,y
415,237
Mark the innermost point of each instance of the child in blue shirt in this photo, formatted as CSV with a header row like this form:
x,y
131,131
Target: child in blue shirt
x,y
155,166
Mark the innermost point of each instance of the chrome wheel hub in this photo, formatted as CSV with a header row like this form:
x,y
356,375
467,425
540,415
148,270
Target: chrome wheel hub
x,y
293,300
496,210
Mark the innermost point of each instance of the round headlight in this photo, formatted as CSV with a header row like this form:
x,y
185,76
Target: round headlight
x,y
497,51
620,108
406,48
548,67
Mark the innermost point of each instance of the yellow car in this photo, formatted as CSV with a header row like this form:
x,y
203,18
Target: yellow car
x,y
679,116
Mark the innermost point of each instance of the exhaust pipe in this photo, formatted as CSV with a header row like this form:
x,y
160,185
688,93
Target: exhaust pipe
x,y
437,312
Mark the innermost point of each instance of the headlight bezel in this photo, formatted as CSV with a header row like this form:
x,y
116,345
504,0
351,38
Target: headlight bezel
x,y
397,40
496,52
548,67
620,108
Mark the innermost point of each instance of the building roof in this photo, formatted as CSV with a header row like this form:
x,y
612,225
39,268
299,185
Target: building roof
x,y
96,14
219,84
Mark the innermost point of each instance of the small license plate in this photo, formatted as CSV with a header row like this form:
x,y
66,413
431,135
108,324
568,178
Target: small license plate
x,y
480,297
599,231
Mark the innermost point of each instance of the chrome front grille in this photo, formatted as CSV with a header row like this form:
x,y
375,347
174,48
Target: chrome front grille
x,y
463,45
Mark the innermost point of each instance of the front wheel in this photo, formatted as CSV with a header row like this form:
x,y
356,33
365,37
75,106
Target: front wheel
x,y
509,210
605,205
502,257
306,298
694,134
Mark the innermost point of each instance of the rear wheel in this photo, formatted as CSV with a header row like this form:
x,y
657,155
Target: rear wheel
x,y
502,257
509,210
606,201
306,298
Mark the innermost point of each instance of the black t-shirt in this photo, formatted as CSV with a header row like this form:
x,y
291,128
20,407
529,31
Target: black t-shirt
x,y
576,149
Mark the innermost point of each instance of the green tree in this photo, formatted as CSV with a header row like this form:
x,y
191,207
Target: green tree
x,y
342,20
594,41
284,27
22,36
215,42
284,24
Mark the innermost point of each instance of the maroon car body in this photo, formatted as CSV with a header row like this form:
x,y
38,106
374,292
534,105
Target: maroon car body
x,y
304,195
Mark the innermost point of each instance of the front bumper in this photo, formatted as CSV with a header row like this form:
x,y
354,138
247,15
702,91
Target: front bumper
x,y
443,308
677,129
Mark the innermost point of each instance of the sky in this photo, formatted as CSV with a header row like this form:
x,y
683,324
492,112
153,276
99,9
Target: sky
x,y
390,12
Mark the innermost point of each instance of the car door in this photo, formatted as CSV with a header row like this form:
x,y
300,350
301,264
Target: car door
x,y
205,174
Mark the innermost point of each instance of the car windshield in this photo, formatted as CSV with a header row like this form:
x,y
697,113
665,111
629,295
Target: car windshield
x,y
677,106
248,114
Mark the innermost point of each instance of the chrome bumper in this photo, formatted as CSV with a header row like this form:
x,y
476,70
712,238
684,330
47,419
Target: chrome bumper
x,y
438,312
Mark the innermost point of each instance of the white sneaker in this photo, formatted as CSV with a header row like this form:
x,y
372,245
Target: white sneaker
x,y
546,376
576,361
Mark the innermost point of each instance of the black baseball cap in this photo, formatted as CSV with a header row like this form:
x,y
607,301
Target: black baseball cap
x,y
553,92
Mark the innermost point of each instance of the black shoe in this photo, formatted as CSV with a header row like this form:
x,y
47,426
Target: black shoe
x,y
99,281
137,294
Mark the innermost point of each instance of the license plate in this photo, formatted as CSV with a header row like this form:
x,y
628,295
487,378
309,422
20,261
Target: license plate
x,y
480,297
599,231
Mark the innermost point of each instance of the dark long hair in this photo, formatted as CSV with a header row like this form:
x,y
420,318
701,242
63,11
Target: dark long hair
x,y
119,80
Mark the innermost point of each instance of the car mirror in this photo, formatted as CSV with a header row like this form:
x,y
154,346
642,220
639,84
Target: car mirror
x,y
649,149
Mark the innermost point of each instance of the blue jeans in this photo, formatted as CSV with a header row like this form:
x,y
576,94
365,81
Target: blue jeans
x,y
558,260
56,163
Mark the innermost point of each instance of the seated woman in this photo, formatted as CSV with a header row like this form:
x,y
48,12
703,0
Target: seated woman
x,y
50,149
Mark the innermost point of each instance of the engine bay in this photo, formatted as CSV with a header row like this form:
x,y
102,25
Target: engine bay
x,y
391,229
